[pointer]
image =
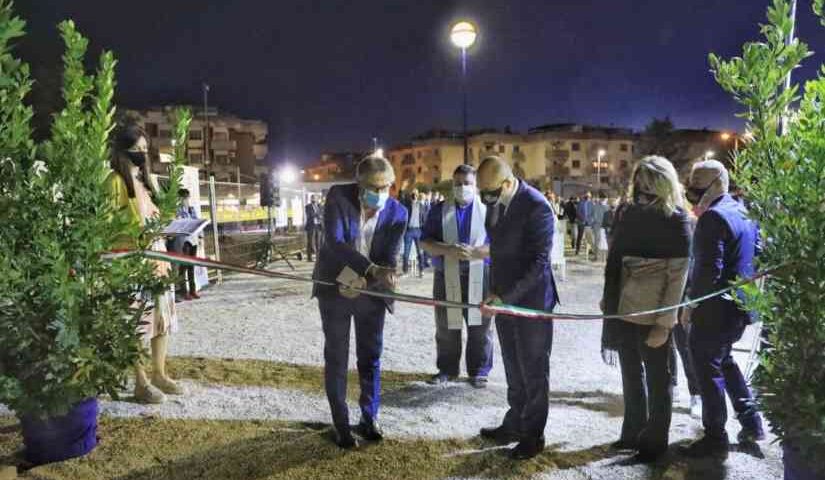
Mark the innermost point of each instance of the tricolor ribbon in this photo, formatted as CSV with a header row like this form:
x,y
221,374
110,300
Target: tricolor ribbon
x,y
494,309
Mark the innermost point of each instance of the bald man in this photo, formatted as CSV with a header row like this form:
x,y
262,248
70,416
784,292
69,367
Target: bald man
x,y
520,224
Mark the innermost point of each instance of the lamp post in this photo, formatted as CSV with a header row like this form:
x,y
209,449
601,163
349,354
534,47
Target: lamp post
x,y
709,154
463,35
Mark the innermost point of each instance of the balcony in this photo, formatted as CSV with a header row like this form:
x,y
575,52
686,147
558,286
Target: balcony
x,y
260,151
224,145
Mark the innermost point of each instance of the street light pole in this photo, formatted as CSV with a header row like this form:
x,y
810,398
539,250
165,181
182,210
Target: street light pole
x,y
463,35
464,105
206,159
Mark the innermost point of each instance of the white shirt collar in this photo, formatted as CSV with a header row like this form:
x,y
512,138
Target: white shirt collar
x,y
507,197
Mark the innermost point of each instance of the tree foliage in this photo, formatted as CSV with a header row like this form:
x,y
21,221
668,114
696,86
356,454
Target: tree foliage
x,y
68,318
784,177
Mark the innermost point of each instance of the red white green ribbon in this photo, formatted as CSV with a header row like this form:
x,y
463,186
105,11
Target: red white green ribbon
x,y
490,309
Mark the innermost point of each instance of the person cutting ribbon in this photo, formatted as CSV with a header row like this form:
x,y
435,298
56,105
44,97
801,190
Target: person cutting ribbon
x,y
456,237
363,229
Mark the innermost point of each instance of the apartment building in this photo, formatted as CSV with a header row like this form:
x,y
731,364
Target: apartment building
x,y
333,166
237,147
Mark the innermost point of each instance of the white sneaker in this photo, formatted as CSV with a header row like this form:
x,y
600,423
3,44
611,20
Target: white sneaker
x,y
696,407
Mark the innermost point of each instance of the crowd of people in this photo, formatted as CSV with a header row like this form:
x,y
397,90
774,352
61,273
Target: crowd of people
x,y
490,243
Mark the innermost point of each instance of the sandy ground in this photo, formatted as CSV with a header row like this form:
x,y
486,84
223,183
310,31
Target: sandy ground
x,y
256,318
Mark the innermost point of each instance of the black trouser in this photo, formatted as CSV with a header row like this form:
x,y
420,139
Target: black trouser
x,y
525,352
479,354
680,339
718,375
314,236
647,388
579,237
186,273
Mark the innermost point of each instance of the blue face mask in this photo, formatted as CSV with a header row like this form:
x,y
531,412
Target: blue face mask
x,y
373,199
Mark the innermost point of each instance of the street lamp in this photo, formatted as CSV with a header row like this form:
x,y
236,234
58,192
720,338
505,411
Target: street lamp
x,y
463,35
709,154
288,174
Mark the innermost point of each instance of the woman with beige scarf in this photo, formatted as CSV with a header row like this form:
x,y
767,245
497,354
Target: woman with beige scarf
x,y
647,267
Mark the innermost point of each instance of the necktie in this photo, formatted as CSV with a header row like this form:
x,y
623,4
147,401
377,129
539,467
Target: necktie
x,y
494,214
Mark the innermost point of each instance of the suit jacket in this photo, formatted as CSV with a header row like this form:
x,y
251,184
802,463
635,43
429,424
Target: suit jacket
x,y
725,245
520,245
342,218
312,215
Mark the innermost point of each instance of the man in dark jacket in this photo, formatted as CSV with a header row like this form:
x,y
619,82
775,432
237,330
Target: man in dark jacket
x,y
570,215
313,218
520,227
724,246
364,227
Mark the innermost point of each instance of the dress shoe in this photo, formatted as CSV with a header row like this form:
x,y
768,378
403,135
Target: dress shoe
x,y
499,435
648,456
187,297
708,447
751,435
195,296
622,444
441,379
527,449
370,431
478,382
344,439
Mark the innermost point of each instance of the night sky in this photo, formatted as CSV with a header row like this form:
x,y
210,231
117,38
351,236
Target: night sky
x,y
332,74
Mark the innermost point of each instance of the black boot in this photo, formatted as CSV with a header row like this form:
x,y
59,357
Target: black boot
x,y
708,447
500,435
343,438
528,448
370,430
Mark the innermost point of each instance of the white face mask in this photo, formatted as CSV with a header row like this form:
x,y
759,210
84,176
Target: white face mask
x,y
464,194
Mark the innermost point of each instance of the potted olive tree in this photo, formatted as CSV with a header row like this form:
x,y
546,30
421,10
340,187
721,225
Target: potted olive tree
x,y
68,318
782,169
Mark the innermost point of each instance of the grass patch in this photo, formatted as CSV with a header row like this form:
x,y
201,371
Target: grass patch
x,y
138,449
262,373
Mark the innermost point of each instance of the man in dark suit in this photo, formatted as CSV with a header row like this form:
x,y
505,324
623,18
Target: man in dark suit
x,y
725,243
520,226
312,225
363,229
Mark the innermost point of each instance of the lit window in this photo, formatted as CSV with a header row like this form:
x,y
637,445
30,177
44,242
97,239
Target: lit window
x,y
577,163
623,147
516,149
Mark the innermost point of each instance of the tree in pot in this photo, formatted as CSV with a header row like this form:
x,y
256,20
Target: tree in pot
x,y
68,318
782,169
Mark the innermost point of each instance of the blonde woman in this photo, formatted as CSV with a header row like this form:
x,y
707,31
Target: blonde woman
x,y
132,193
647,267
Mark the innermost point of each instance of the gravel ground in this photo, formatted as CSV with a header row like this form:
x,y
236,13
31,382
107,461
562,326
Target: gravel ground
x,y
256,318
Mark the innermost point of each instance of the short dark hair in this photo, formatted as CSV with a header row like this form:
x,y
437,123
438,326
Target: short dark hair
x,y
464,169
602,194
183,193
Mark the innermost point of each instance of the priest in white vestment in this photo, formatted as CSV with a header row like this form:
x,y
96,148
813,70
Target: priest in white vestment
x,y
455,235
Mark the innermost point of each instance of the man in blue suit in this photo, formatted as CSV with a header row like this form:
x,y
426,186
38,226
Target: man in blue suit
x,y
520,226
725,244
363,232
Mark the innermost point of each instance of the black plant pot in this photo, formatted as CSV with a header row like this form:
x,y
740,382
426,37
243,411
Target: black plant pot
x,y
60,438
797,467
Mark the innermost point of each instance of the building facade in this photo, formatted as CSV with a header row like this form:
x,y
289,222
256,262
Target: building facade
x,y
333,166
568,158
236,147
